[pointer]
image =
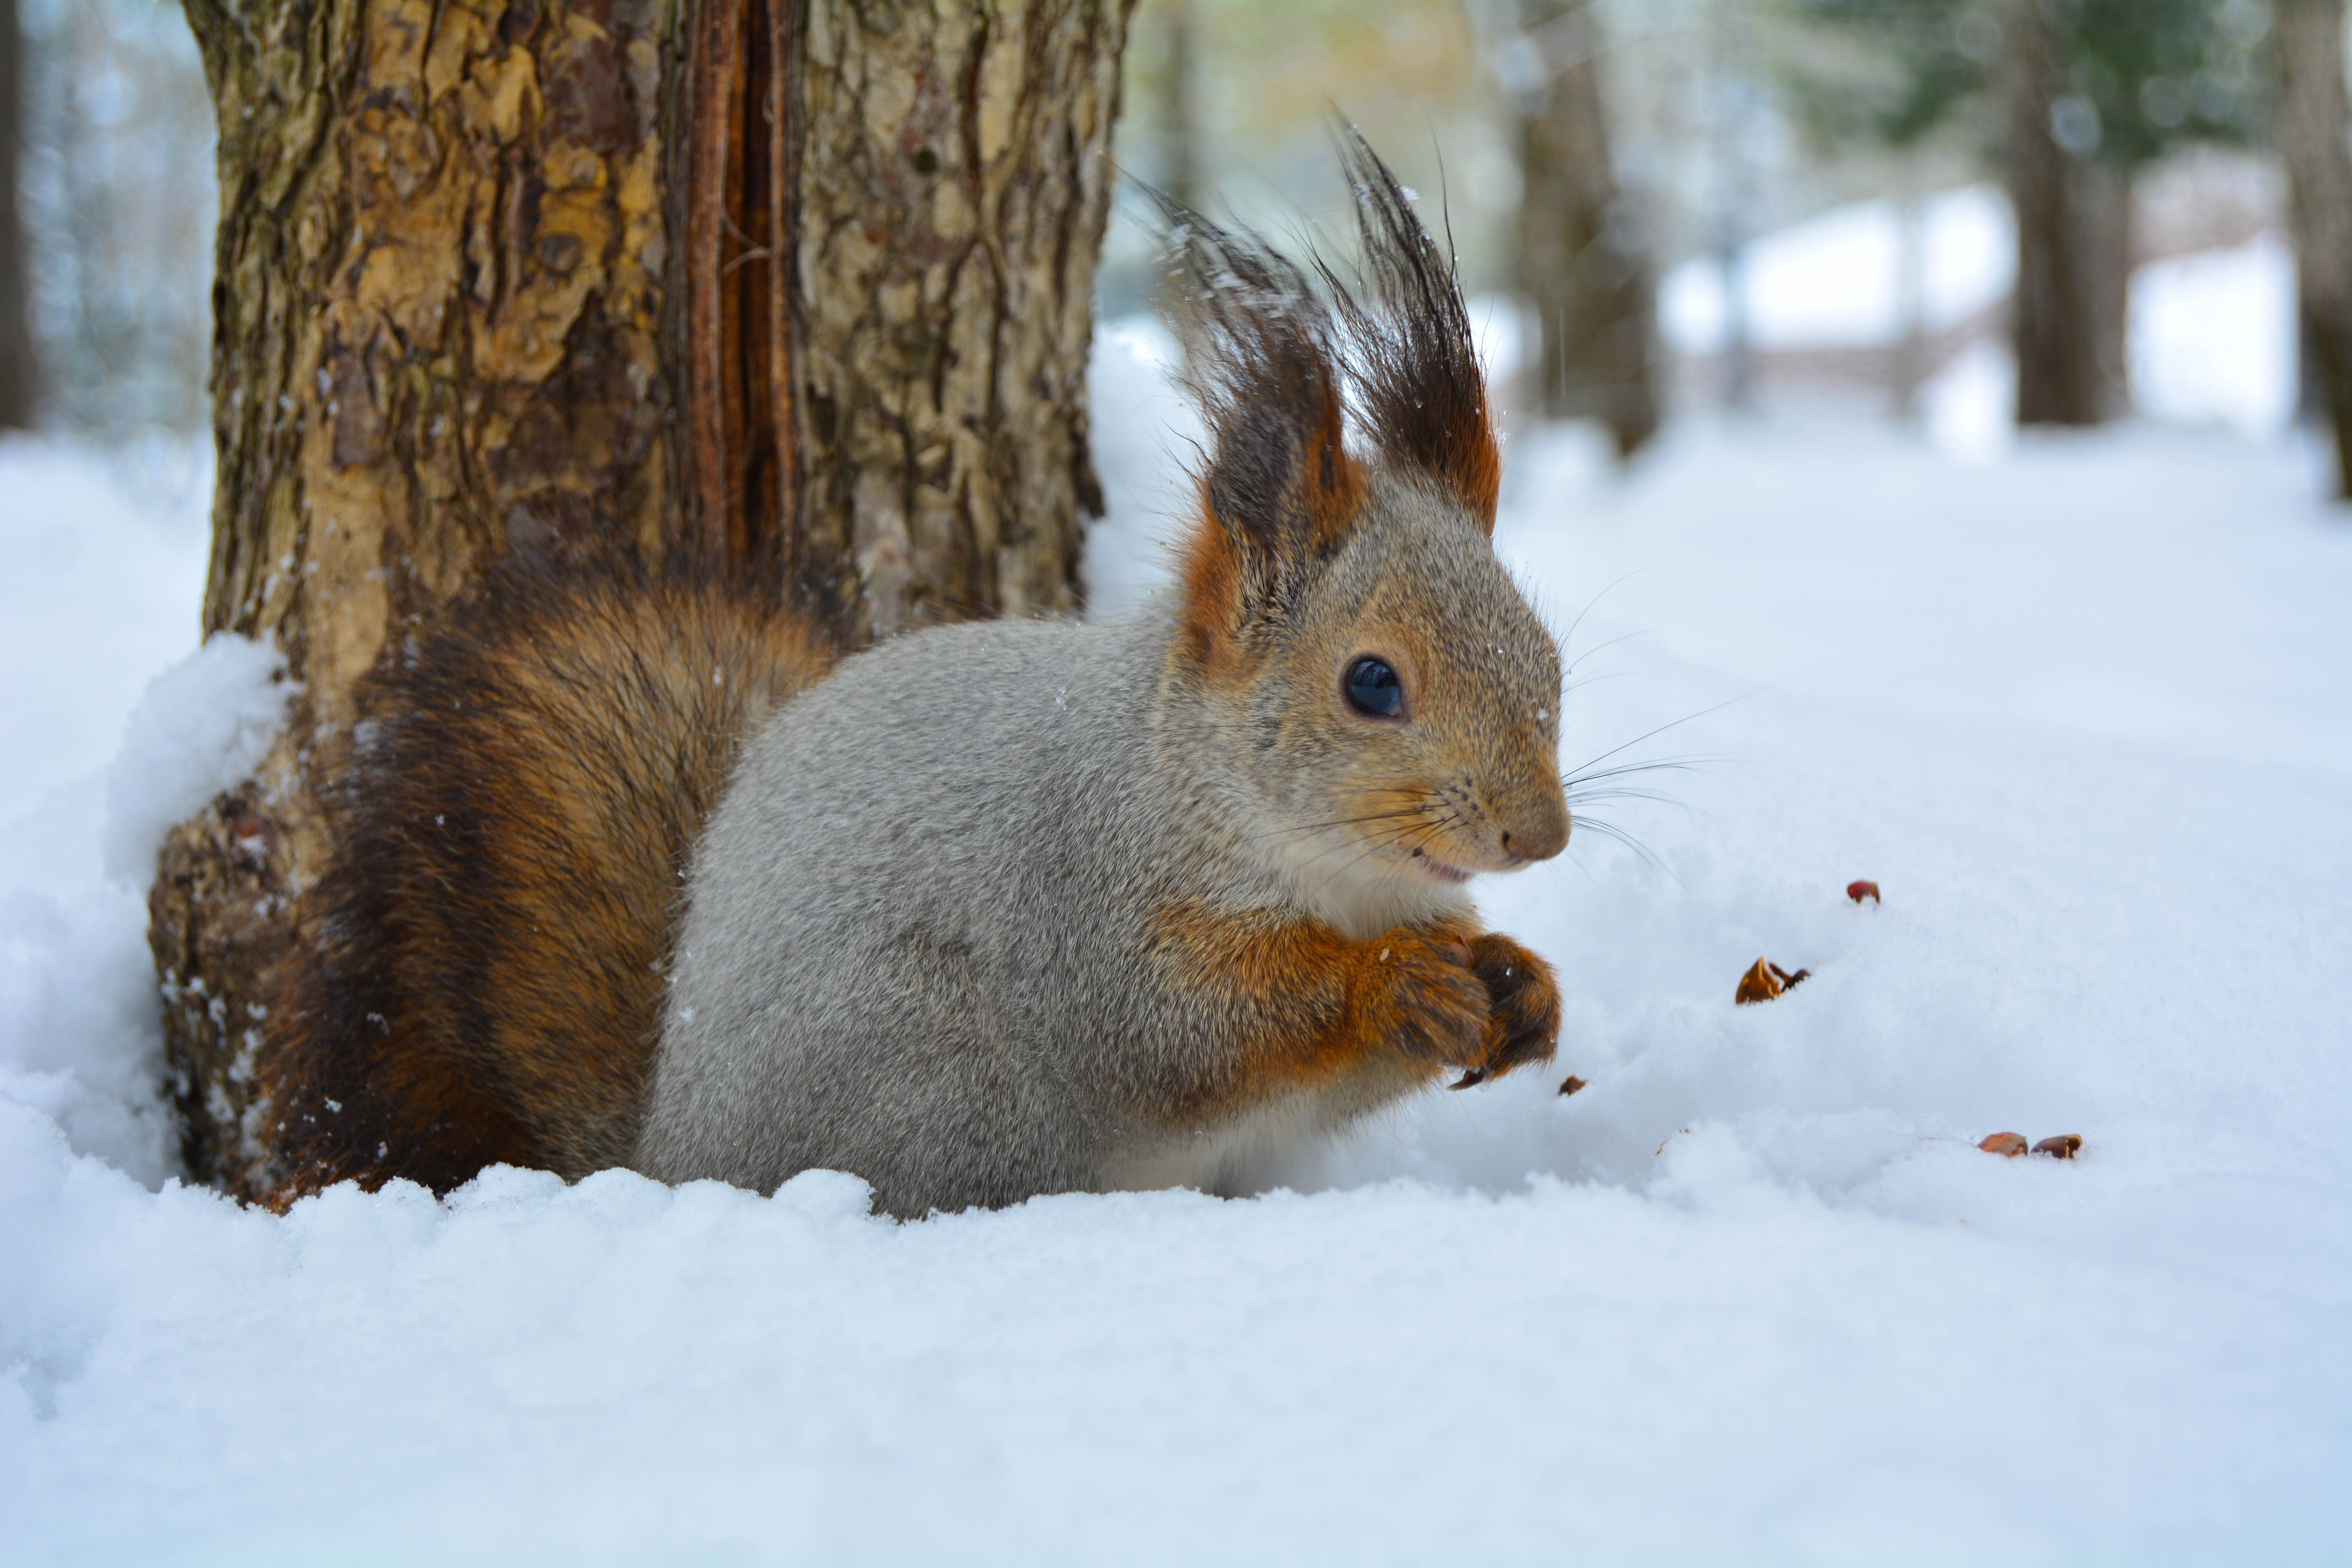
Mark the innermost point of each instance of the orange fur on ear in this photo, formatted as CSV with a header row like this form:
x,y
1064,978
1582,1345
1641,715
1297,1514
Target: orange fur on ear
x,y
1331,487
1280,490
1209,579
1409,346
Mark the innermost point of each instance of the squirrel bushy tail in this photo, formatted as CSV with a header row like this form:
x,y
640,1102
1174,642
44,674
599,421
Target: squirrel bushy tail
x,y
480,974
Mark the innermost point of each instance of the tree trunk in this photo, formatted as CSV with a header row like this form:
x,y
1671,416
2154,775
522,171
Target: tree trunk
x,y
2314,126
1730,222
799,290
2310,391
20,389
1908,369
1177,102
2066,217
2105,231
1580,259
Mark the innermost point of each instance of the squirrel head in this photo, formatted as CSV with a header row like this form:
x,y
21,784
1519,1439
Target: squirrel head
x,y
1382,694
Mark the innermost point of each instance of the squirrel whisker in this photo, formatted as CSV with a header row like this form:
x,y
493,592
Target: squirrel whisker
x,y
1578,771
1340,822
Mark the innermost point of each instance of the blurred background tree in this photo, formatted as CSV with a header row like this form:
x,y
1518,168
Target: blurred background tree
x,y
1629,184
2314,126
2085,95
117,197
1583,260
19,372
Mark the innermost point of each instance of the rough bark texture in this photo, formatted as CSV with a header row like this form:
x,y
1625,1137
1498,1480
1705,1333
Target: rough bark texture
x,y
503,275
1580,260
437,304
950,211
19,379
2073,241
2314,135
895,423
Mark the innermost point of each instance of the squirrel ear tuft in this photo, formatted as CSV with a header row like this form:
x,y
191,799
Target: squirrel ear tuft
x,y
1422,392
1278,487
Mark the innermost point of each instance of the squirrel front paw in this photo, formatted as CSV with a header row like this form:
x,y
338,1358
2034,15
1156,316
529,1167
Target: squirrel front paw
x,y
1421,992
1523,1017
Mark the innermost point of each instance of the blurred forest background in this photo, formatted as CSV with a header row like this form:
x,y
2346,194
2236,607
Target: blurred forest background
x,y
1967,214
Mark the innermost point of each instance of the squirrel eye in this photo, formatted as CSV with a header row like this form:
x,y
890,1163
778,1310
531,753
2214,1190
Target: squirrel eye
x,y
1373,689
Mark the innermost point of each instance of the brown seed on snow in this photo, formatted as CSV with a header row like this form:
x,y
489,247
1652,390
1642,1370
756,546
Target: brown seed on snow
x,y
2009,1145
1858,891
1570,1087
2062,1147
1766,980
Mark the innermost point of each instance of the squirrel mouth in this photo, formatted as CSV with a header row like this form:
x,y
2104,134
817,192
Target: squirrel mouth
x,y
1439,869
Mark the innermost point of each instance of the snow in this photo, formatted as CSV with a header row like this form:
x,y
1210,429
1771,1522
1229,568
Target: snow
x,y
2081,707
2213,336
1834,280
1144,436
201,727
80,1043
105,572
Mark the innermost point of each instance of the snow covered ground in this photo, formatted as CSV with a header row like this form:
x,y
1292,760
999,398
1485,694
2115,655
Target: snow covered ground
x,y
2082,708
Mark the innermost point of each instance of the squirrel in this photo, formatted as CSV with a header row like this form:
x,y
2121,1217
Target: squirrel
x,y
629,870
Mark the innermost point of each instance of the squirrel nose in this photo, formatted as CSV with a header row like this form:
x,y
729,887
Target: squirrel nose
x,y
1541,834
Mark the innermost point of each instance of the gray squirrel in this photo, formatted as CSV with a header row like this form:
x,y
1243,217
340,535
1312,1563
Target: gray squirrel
x,y
987,910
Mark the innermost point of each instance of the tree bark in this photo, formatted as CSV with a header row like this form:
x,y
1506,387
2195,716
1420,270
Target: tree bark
x,y
2066,315
951,208
2314,135
793,289
1579,260
20,389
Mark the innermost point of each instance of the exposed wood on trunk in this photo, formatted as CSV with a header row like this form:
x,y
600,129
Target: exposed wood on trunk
x,y
19,379
1580,260
531,275
891,421
2314,135
733,199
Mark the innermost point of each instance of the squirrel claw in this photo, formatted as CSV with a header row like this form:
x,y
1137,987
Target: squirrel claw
x,y
1470,1077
